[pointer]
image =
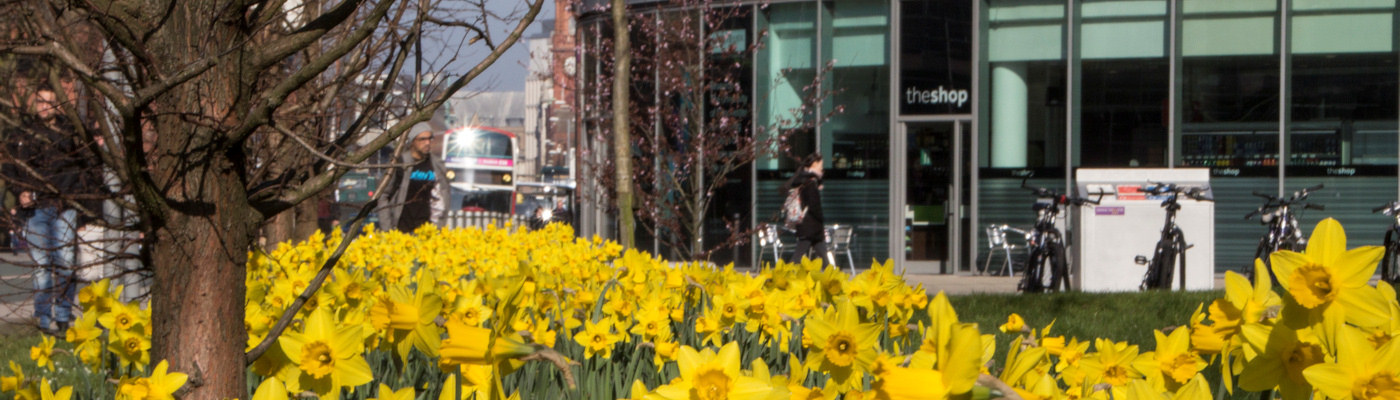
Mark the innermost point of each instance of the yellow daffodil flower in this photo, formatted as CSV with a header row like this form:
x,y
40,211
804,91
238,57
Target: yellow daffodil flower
x,y
707,375
43,353
386,393
1113,364
131,348
893,382
1172,362
328,357
45,393
409,318
1327,274
842,346
1014,324
158,386
1359,372
270,389
597,338
1284,354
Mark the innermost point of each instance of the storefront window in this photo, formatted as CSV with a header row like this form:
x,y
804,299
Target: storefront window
x,y
1026,130
1027,86
855,141
1343,110
785,65
1125,84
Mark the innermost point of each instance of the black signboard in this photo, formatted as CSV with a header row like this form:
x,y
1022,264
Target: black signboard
x,y
935,57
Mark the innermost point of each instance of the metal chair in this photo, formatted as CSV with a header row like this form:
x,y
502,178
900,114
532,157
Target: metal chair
x,y
996,239
768,239
839,242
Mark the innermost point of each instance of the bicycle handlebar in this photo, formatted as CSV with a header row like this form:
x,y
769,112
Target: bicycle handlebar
x,y
1271,201
1389,208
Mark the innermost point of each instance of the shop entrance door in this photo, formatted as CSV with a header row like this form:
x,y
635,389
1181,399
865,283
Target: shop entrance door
x,y
933,175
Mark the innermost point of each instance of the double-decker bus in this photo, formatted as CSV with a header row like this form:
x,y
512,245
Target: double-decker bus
x,y
481,167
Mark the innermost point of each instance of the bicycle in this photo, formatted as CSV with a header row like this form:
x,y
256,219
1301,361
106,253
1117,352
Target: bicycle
x,y
1046,243
1390,263
1283,231
1171,247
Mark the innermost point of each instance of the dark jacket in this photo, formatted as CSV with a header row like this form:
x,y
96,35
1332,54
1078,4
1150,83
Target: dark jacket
x,y
813,225
53,155
391,205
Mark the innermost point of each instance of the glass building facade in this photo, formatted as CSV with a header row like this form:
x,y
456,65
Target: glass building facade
x,y
946,106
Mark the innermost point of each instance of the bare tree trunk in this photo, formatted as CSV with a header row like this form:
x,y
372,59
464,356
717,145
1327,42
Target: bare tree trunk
x,y
205,223
622,136
307,218
196,310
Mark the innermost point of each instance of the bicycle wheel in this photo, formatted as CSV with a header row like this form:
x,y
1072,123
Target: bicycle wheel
x,y
1180,255
1390,263
1032,279
1159,271
1262,253
1059,276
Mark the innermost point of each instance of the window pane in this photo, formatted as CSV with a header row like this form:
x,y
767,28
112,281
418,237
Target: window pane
x,y
856,142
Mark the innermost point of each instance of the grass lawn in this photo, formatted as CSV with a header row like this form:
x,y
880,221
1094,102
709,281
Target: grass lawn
x,y
1127,317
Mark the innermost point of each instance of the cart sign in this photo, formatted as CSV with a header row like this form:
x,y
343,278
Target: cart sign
x,y
1108,210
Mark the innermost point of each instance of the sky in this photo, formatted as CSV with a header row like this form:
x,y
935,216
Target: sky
x,y
507,73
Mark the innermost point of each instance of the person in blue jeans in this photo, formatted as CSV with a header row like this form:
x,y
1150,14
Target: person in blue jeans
x,y
51,232
45,169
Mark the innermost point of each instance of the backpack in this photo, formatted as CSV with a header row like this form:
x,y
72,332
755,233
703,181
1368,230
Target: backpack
x,y
793,211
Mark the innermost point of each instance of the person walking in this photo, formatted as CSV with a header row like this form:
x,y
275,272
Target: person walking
x,y
419,192
811,232
43,171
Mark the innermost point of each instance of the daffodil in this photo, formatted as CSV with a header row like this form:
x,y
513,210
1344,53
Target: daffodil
x,y
597,338
1284,354
956,349
1195,389
408,318
270,389
1172,362
131,348
85,335
707,375
893,382
1327,275
387,393
158,386
842,346
476,383
12,383
45,393
1014,324
1359,372
43,353
472,345
328,357
1113,364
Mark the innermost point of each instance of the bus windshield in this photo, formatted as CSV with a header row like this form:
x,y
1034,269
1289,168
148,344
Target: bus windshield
x,y
471,145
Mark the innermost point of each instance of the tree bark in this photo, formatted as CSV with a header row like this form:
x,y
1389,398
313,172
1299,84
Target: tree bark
x,y
206,225
622,137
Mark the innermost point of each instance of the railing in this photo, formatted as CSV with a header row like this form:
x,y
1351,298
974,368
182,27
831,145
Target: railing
x,y
483,219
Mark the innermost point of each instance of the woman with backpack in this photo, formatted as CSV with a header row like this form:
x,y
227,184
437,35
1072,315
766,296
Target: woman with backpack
x,y
811,232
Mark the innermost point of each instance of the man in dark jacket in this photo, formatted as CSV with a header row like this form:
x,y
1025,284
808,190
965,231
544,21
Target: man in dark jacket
x,y
43,174
811,232
418,194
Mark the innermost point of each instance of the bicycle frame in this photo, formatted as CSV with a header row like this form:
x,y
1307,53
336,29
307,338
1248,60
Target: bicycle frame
x,y
1170,251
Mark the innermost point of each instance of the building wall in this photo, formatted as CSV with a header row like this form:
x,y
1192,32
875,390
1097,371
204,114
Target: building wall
x,y
1271,95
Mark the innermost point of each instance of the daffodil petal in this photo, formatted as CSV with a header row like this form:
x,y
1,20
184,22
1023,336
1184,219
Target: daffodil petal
x,y
1328,242
1330,379
1365,306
